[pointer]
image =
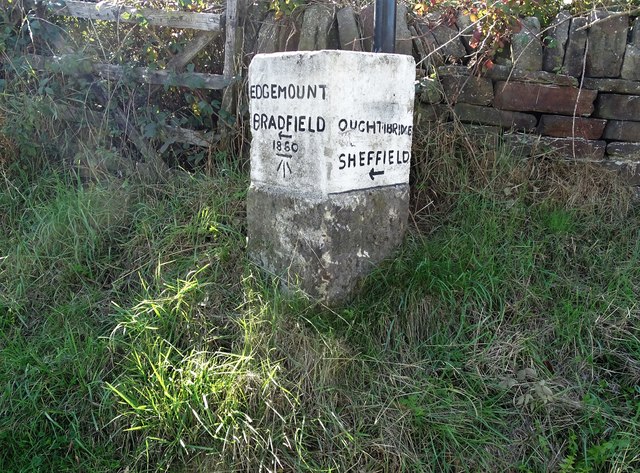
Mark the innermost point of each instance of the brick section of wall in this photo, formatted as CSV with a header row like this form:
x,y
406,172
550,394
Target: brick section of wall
x,y
467,89
617,130
587,128
469,113
618,107
524,97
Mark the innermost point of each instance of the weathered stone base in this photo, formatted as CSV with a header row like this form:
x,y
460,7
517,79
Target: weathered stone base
x,y
325,246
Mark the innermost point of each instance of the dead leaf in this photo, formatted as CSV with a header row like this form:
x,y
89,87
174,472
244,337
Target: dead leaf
x,y
507,383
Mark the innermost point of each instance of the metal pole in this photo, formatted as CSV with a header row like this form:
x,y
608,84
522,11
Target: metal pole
x,y
384,18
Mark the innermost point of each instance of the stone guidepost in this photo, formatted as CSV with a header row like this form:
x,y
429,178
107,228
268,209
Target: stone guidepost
x,y
330,156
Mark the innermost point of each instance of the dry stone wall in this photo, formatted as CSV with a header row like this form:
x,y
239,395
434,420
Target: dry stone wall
x,y
572,90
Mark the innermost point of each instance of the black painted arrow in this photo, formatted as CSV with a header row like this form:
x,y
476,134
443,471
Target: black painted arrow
x,y
373,173
281,135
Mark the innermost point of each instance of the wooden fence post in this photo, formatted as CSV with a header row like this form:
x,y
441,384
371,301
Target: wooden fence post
x,y
233,47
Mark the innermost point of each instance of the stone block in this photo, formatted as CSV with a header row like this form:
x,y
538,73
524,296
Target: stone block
x,y
618,107
556,41
624,151
420,52
404,39
448,40
631,64
316,28
491,116
366,21
255,16
289,32
580,149
506,73
618,86
619,130
325,246
267,41
568,148
607,42
498,72
446,37
467,89
348,30
430,113
428,43
543,77
635,33
563,127
543,98
526,47
573,63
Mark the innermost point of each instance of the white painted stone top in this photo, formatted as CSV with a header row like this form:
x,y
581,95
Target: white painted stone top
x,y
326,122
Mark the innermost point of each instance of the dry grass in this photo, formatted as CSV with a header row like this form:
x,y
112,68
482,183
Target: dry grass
x,y
450,157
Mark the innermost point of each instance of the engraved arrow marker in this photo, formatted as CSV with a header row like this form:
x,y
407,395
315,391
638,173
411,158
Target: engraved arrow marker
x,y
282,135
284,165
373,173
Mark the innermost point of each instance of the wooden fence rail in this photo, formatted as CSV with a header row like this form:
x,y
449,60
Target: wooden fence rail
x,y
209,27
193,80
112,12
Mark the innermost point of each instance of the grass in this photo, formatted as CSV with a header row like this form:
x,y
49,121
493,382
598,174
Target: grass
x,y
136,336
